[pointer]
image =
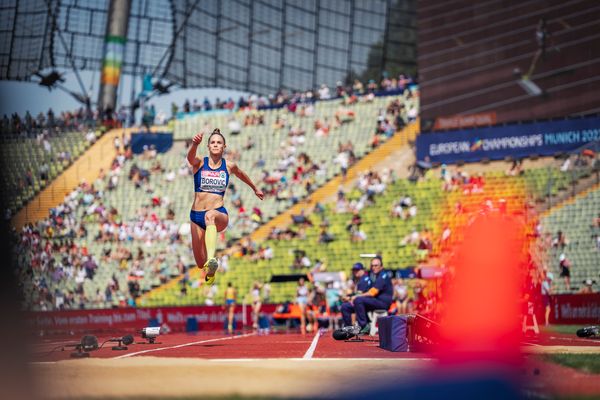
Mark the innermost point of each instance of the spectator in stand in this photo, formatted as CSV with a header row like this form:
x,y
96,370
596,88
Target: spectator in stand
x,y
325,237
596,222
320,266
300,260
357,235
445,238
235,128
355,221
206,106
343,160
357,87
560,241
565,269
301,219
174,110
425,245
324,92
378,297
587,287
516,168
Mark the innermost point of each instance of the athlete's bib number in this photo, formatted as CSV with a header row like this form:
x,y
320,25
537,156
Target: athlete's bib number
x,y
213,181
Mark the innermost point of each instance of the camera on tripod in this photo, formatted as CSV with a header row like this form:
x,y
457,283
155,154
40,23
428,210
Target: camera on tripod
x,y
150,334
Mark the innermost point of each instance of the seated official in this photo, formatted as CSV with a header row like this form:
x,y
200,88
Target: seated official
x,y
361,278
362,281
378,297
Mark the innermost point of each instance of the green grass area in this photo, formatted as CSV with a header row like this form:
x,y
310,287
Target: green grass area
x,y
576,398
569,329
588,363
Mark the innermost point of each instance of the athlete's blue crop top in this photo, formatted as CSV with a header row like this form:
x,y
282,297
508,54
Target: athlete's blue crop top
x,y
211,180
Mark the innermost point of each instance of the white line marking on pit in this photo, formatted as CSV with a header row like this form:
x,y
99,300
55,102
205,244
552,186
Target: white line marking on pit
x,y
183,345
317,359
309,353
575,339
228,360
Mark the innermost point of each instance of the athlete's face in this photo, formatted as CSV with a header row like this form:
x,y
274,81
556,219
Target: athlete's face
x,y
216,145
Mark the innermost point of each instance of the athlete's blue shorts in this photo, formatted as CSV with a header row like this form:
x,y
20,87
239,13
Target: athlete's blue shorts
x,y
197,217
229,302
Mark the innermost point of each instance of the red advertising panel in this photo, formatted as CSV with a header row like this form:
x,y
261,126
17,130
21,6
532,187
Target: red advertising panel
x,y
210,318
575,309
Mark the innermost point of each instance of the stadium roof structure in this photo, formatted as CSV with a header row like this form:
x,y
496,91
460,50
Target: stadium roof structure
x,y
258,46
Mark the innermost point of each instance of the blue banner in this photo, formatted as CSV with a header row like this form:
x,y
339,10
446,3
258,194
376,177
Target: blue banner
x,y
161,141
518,141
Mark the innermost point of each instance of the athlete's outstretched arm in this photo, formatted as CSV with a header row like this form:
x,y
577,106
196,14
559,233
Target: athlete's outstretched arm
x,y
191,156
246,179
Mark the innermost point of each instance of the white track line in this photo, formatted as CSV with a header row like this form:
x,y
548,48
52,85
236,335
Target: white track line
x,y
55,343
532,344
309,353
183,345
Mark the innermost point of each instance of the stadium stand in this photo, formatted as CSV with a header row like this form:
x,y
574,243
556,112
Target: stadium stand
x,y
579,221
153,201
303,150
32,163
397,239
35,150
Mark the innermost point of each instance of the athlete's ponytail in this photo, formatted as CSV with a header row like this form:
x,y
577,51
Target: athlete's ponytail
x,y
216,131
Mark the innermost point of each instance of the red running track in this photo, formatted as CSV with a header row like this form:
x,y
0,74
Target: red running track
x,y
253,346
214,346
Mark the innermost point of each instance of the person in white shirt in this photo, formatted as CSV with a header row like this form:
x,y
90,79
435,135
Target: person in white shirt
x,y
256,304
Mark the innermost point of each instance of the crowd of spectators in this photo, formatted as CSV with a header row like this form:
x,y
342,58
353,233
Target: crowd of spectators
x,y
296,173
42,131
54,253
299,101
49,123
68,224
439,244
321,301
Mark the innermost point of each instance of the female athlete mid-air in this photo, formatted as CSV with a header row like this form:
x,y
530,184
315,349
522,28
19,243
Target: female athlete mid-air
x,y
208,214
